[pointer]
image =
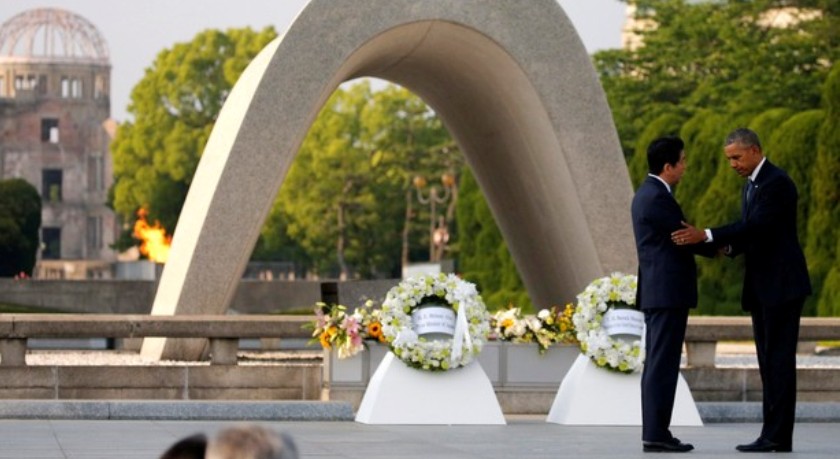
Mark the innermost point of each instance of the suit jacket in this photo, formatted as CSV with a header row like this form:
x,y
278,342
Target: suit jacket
x,y
667,272
775,270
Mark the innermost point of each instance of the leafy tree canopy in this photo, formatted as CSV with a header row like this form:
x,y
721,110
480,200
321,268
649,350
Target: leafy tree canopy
x,y
174,107
727,55
793,147
20,224
821,249
349,199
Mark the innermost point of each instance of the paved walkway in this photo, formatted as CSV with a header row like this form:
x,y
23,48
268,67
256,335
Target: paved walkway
x,y
522,438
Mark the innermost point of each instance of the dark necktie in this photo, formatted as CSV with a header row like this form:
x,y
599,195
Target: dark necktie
x,y
750,190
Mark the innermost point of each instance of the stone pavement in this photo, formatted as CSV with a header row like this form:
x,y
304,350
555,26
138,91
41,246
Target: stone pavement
x,y
524,437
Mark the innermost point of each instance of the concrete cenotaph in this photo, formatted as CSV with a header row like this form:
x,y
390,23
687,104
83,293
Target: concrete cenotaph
x,y
511,81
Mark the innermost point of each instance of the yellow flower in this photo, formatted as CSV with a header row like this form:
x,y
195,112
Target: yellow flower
x,y
332,331
325,340
374,330
507,323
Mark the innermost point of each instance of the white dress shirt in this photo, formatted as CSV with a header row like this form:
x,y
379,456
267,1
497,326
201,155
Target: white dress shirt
x,y
752,179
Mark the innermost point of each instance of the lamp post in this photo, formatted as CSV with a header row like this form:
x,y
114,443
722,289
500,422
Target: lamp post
x,y
438,232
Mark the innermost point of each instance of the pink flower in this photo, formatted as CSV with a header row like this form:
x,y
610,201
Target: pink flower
x,y
320,318
351,326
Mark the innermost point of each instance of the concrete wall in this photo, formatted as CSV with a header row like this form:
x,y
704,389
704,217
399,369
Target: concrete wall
x,y
182,382
105,296
136,297
304,382
744,384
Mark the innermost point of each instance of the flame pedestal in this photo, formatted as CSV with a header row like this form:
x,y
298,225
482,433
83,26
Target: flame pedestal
x,y
590,395
398,394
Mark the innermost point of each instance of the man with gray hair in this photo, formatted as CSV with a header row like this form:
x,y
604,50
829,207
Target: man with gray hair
x,y
249,441
776,280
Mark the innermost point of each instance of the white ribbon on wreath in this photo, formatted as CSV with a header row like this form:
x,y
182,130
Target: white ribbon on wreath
x,y
461,337
472,322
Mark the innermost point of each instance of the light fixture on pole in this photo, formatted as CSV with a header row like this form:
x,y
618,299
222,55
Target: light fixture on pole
x,y
438,232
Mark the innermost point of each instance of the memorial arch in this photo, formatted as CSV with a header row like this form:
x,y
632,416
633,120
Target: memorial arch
x,y
511,81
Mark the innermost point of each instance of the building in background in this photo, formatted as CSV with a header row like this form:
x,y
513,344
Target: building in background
x,y
55,129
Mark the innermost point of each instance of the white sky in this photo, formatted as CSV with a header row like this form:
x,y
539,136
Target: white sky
x,y
137,30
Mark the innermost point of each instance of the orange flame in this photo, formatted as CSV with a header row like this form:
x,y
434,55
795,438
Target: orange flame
x,y
155,243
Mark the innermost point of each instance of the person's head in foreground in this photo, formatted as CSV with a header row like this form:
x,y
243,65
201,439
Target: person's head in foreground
x,y
250,441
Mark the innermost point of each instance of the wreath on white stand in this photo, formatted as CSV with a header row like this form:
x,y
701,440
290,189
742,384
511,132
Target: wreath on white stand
x,y
617,291
472,323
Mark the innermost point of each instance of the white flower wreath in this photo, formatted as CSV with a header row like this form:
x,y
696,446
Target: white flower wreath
x,y
600,296
472,323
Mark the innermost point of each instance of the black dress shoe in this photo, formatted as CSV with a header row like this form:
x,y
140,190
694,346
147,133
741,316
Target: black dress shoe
x,y
764,446
674,445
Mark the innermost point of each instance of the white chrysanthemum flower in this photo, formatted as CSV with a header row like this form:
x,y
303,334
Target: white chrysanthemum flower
x,y
435,355
405,337
533,323
515,331
592,303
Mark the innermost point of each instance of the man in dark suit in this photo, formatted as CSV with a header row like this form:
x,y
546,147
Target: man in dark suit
x,y
667,289
775,280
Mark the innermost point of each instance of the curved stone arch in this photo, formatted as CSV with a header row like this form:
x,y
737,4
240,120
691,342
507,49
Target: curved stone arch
x,y
513,85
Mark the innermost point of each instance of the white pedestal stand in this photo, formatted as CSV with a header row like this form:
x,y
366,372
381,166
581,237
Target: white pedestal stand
x,y
398,394
590,395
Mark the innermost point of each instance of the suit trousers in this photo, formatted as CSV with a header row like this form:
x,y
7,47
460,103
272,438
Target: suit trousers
x,y
776,333
664,335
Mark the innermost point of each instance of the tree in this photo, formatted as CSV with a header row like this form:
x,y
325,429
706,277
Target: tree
x,y
828,302
709,193
411,143
329,185
667,124
793,147
821,249
767,122
634,102
348,198
703,135
20,223
275,243
175,106
724,54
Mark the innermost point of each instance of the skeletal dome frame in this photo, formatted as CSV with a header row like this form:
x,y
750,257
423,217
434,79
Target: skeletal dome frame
x,y
512,83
